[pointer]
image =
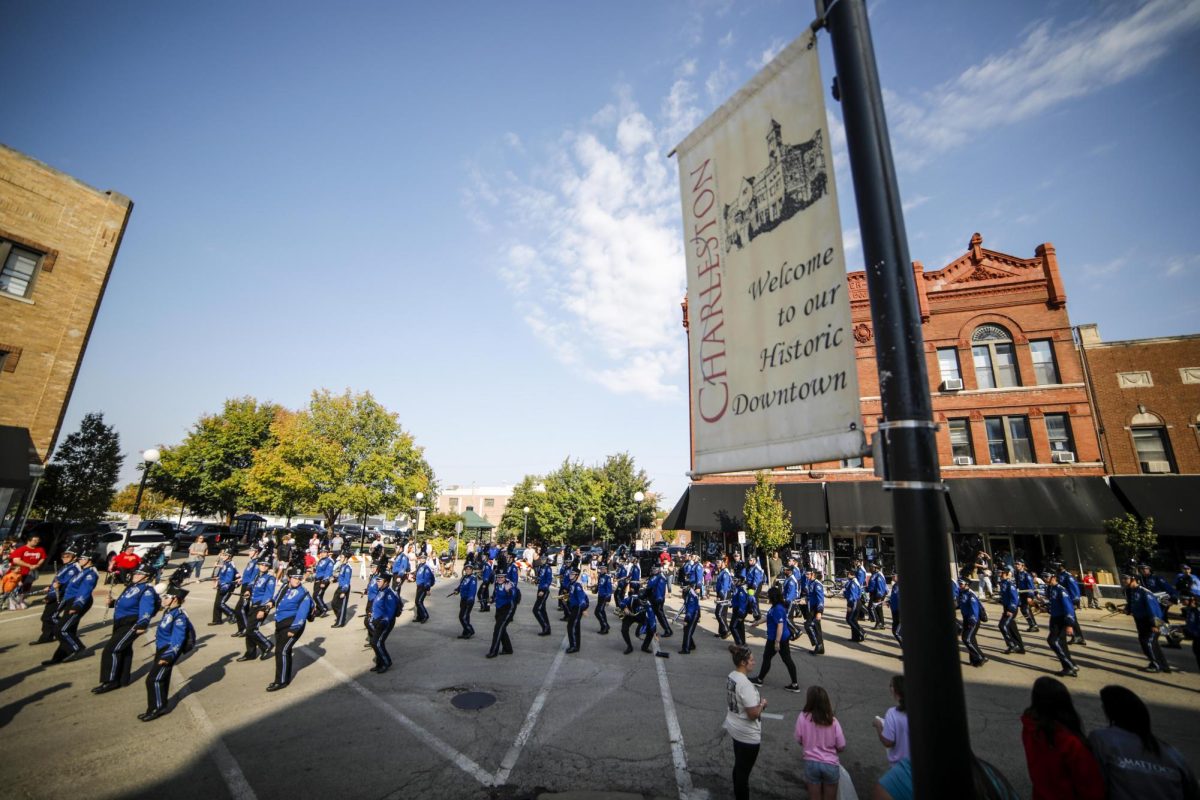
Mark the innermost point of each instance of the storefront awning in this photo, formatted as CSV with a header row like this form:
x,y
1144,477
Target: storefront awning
x,y
1032,505
1173,501
859,507
717,507
16,454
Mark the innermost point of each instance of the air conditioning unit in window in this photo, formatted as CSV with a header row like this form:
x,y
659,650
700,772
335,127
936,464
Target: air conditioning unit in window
x,y
963,461
1062,457
952,385
1156,466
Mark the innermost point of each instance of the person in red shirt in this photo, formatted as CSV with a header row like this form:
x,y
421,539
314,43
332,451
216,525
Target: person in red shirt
x,y
1061,765
26,559
125,563
1089,589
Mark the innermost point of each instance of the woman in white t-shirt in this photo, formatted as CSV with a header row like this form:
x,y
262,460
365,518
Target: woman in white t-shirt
x,y
893,727
743,709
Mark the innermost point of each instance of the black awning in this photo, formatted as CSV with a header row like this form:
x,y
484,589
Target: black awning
x,y
676,520
17,453
717,507
806,503
1032,505
859,507
1173,501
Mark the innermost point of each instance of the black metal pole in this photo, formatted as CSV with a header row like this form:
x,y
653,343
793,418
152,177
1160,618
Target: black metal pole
x,y
937,711
137,501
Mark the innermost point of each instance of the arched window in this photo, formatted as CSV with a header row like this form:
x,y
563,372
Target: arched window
x,y
995,358
1151,442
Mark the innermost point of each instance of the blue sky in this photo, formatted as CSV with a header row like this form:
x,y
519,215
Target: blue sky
x,y
467,208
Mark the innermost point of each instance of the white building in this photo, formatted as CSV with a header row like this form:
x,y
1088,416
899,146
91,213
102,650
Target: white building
x,y
488,502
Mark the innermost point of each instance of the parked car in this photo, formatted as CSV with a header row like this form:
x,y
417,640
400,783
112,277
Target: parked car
x,y
678,553
105,546
211,532
304,532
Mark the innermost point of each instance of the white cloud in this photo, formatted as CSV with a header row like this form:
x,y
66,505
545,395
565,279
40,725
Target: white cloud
x,y
1182,265
915,202
851,241
1053,63
718,84
594,255
1105,268
726,40
514,141
766,56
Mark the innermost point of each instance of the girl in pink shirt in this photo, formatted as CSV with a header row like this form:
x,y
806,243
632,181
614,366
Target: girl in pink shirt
x,y
821,736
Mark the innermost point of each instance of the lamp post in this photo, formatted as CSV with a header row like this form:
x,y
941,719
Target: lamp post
x,y
149,458
525,533
593,529
638,497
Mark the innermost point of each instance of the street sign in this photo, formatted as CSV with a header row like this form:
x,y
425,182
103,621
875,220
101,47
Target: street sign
x,y
458,527
741,537
771,344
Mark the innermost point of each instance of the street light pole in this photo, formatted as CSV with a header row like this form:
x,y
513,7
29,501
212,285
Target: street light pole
x,y
149,458
525,533
593,529
638,497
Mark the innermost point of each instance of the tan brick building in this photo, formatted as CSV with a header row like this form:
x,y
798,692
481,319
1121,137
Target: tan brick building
x,y
1146,397
58,242
1016,438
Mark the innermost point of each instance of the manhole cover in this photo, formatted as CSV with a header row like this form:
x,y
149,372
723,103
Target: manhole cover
x,y
473,701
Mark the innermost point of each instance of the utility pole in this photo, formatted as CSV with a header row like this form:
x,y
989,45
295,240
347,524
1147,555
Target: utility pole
x,y
938,732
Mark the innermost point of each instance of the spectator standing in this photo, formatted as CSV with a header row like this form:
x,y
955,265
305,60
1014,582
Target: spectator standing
x,y
892,727
743,709
1061,766
336,543
1136,764
1090,589
1191,617
819,732
983,570
26,559
196,555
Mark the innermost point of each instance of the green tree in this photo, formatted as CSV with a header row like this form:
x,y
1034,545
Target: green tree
x,y
1131,539
345,453
81,481
768,523
277,484
155,505
530,492
622,480
574,494
207,472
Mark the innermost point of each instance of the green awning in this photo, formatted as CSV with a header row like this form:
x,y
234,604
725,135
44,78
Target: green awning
x,y
474,522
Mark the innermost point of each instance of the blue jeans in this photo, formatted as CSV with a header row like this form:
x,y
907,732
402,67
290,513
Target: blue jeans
x,y
196,567
819,772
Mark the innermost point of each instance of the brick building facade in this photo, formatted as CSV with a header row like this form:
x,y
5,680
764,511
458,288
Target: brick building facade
x,y
1146,398
58,242
1015,426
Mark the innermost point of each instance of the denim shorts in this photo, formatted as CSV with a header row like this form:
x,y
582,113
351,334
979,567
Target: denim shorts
x,y
820,772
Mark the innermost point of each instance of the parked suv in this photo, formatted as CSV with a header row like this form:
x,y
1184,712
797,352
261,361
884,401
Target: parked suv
x,y
212,532
107,545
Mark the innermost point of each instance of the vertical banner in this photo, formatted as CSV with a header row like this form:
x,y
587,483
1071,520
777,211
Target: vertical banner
x,y
772,363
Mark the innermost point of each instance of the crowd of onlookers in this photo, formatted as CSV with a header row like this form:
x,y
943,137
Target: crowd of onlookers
x,y
1124,761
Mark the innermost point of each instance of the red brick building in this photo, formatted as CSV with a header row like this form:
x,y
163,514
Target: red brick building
x,y
1146,399
1016,439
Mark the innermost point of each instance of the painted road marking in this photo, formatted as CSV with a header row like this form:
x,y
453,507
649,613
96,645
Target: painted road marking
x,y
235,779
514,752
449,753
683,778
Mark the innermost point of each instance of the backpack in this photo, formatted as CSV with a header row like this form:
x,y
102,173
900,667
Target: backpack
x,y
189,639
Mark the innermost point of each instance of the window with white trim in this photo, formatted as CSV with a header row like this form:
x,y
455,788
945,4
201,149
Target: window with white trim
x,y
19,269
960,438
995,358
948,364
1045,371
1008,440
1058,429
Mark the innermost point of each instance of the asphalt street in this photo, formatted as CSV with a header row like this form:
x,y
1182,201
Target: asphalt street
x,y
596,720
